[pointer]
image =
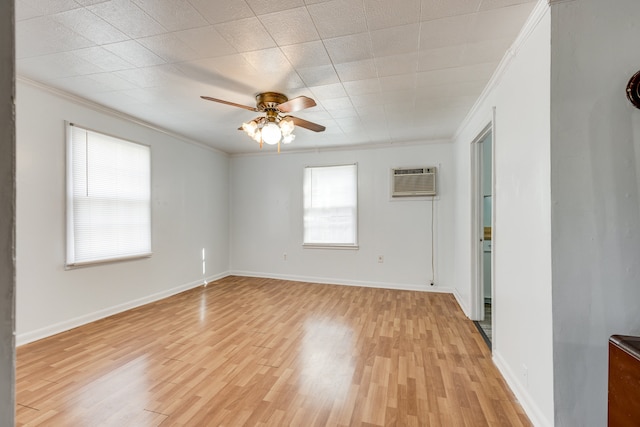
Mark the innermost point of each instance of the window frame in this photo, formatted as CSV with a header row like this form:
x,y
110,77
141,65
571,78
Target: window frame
x,y
70,258
344,246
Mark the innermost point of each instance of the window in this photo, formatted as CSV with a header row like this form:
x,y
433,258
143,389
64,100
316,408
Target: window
x,y
108,198
331,206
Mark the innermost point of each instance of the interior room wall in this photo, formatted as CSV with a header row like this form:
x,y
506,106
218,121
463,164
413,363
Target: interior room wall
x,y
189,214
595,188
522,331
266,220
7,215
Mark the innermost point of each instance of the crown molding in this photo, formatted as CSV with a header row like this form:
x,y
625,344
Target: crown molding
x,y
114,113
538,12
364,146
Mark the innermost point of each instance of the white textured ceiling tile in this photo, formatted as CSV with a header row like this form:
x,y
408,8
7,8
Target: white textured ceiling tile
x,y
128,18
500,23
485,51
287,83
217,11
445,31
305,55
111,82
365,100
338,17
231,73
385,13
397,64
355,47
268,60
206,42
260,7
396,83
495,4
399,100
290,26
246,34
318,76
43,35
444,57
343,113
168,47
337,104
134,53
148,77
25,11
114,99
454,89
331,91
47,7
358,70
477,72
57,65
90,2
173,15
434,9
102,58
90,26
361,87
317,115
395,40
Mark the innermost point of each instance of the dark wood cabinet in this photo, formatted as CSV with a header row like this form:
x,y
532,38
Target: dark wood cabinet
x,y
624,381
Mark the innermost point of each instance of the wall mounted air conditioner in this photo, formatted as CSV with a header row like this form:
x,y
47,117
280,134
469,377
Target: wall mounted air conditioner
x,y
413,182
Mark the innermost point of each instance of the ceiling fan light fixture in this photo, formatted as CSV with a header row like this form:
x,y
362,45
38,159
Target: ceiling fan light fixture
x,y
250,127
271,133
288,139
286,126
257,136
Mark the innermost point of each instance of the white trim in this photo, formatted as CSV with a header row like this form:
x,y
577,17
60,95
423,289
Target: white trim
x,y
376,146
525,399
114,113
66,325
345,282
539,11
461,302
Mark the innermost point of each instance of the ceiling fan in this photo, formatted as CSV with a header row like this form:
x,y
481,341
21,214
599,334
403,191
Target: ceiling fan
x,y
274,127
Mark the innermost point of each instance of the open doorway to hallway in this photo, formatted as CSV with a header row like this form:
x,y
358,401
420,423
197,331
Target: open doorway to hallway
x,y
482,248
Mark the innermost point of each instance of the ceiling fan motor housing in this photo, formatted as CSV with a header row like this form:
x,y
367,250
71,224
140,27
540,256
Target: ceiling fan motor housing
x,y
269,101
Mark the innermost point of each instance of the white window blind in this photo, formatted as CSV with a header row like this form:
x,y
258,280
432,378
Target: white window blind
x,y
108,198
331,205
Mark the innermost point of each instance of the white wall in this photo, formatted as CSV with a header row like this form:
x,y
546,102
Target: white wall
x,y
189,213
595,187
522,329
266,220
7,215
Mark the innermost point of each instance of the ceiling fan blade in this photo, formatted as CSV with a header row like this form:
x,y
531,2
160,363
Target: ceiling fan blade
x,y
233,104
296,104
306,124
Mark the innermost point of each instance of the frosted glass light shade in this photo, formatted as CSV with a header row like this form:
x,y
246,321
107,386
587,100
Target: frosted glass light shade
x,y
271,133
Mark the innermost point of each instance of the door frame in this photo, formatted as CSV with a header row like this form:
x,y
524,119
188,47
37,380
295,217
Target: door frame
x,y
477,221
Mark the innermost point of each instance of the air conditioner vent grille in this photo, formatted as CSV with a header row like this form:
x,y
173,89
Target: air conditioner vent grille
x,y
408,182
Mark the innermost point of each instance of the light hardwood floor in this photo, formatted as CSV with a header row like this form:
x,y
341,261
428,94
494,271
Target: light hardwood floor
x,y
254,352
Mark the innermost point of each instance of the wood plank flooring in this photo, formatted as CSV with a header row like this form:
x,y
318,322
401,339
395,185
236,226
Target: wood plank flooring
x,y
263,352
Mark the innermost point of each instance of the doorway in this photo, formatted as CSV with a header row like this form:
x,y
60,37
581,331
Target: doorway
x,y
482,232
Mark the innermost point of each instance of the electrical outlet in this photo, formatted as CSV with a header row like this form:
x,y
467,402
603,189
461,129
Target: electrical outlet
x,y
284,256
380,258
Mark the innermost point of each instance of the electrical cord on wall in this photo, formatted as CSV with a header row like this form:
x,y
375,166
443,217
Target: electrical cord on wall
x,y
433,272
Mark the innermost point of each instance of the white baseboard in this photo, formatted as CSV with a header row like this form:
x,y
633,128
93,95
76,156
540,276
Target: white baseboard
x,y
461,303
532,410
344,282
66,325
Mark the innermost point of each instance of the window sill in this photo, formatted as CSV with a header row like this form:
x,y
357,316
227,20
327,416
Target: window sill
x,y
106,261
329,246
